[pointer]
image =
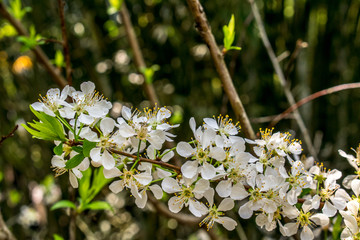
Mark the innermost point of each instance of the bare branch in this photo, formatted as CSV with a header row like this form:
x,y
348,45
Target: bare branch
x,y
65,42
5,233
42,58
281,77
311,97
198,13
139,59
3,138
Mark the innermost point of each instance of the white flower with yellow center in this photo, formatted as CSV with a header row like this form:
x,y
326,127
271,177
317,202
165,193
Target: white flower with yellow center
x,y
215,214
101,153
306,219
186,194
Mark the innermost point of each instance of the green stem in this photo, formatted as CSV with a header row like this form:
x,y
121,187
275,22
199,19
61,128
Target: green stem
x,y
65,123
165,169
172,149
75,135
138,156
160,179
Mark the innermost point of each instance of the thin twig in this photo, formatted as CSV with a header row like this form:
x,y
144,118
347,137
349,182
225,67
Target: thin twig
x,y
65,42
311,97
298,46
3,138
47,40
138,57
158,162
202,26
42,58
281,77
5,233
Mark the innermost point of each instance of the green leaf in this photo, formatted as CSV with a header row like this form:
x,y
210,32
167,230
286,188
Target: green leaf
x,y
59,59
337,228
229,35
149,73
16,9
116,4
37,134
63,204
51,123
77,149
87,146
84,184
232,24
235,48
98,205
58,150
98,182
75,161
58,237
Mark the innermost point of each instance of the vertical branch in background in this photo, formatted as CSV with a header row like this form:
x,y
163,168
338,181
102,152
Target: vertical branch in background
x,y
5,233
281,76
40,55
202,25
139,59
65,42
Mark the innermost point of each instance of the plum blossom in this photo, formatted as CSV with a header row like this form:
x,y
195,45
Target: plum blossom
x,y
59,163
215,213
187,194
305,219
54,101
101,153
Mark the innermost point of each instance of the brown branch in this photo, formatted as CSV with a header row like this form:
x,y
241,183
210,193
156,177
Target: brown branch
x,y
312,97
65,42
158,162
42,58
5,233
204,30
138,57
3,138
299,45
46,40
281,77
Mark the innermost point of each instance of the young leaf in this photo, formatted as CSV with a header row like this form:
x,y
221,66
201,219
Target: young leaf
x,y
37,134
87,146
58,150
229,35
51,123
98,205
75,161
58,237
84,184
63,204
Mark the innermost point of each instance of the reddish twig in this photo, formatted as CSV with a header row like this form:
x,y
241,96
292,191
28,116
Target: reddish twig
x,y
42,58
202,26
298,46
65,42
3,138
312,97
282,80
138,56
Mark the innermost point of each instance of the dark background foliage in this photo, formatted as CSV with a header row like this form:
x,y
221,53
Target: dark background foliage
x,y
186,82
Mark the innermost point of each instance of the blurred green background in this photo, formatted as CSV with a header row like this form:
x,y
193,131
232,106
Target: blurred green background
x,y
186,82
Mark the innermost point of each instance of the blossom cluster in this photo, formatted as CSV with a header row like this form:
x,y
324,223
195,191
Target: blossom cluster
x,y
265,177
